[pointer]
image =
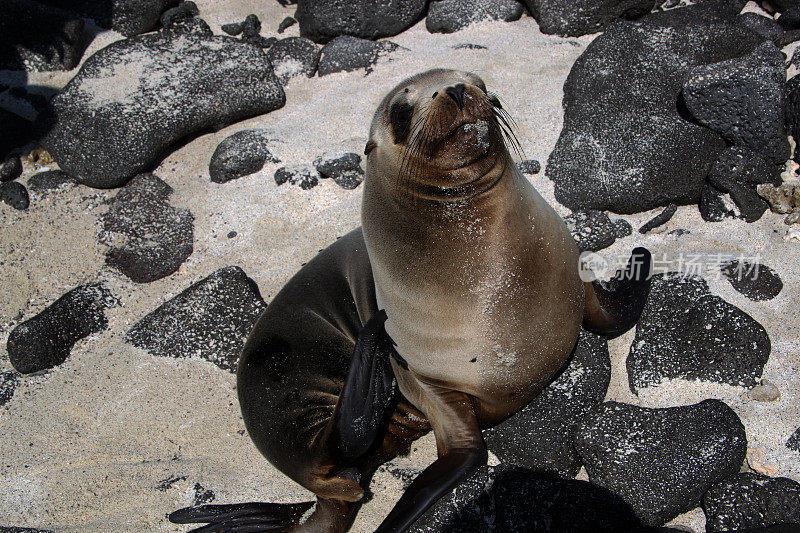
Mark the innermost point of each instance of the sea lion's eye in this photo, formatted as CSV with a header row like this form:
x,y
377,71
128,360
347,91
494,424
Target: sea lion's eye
x,y
400,118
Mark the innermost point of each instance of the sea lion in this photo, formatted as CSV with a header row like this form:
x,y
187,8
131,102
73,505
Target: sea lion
x,y
461,292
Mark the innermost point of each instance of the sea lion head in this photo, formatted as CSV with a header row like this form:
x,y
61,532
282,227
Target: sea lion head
x,y
439,133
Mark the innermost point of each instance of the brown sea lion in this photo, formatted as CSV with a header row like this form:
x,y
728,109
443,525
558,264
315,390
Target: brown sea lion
x,y
462,291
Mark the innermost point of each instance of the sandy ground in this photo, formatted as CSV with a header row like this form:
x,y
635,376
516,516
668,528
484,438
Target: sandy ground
x,y
86,445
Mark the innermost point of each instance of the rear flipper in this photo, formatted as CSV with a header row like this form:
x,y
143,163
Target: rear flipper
x,y
368,390
242,517
613,307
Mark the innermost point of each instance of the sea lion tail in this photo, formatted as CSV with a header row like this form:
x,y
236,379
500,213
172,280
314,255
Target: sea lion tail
x,y
614,307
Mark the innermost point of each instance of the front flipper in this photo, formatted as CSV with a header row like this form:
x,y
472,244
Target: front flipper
x,y
242,517
613,307
459,443
368,390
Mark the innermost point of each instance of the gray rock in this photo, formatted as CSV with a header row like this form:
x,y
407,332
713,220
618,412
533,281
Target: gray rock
x,y
294,56
232,28
36,37
756,281
592,230
749,500
128,17
166,86
661,461
790,18
448,16
211,319
344,169
738,172
793,108
10,169
148,238
45,340
626,146
540,435
323,20
243,153
15,194
743,100
579,17
622,228
688,333
48,180
351,53
8,383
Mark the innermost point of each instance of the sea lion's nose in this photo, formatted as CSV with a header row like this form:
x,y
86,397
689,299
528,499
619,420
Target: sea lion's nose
x,y
457,94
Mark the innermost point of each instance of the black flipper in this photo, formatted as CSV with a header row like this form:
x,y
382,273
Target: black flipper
x,y
613,307
241,517
368,389
434,482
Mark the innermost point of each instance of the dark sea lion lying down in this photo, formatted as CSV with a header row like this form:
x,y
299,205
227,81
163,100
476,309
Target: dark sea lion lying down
x,y
461,292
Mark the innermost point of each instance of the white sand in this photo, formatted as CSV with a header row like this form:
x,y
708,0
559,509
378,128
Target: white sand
x,y
85,445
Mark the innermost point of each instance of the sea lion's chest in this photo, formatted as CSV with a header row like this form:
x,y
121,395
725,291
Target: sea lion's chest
x,y
484,298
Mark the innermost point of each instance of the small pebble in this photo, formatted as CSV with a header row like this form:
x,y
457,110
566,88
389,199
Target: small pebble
x,y
529,166
286,23
792,218
765,391
232,234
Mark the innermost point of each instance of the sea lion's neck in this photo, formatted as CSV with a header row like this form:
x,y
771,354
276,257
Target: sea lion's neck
x,y
464,184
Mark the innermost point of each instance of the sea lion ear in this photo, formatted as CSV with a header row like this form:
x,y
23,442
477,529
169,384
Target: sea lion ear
x,y
494,100
369,147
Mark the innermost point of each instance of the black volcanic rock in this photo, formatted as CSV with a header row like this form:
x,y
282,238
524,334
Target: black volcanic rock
x,y
10,169
756,281
37,37
347,53
448,16
660,219
45,340
15,132
148,238
627,145
8,383
750,500
344,169
166,86
540,435
323,20
243,153
592,230
579,17
47,180
211,319
128,17
303,176
660,461
688,333
794,441
743,100
511,499
738,172
294,56
765,26
15,194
